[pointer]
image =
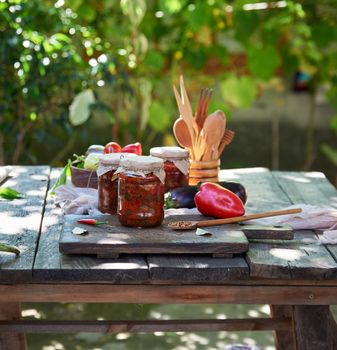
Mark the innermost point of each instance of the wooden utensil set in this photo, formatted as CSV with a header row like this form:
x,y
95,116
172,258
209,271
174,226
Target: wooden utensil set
x,y
205,136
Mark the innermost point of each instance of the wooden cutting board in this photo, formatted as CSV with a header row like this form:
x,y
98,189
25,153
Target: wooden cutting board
x,y
113,239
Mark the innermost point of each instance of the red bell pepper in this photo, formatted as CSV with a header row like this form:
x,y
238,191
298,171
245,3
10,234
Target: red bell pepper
x,y
135,148
92,222
215,200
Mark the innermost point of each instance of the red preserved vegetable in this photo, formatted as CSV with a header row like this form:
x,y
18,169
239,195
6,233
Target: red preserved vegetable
x,y
108,182
176,165
141,192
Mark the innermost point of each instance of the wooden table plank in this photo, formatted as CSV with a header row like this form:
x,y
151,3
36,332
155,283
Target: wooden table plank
x,y
263,192
11,312
20,221
170,294
310,188
307,187
196,269
50,265
257,181
296,259
315,327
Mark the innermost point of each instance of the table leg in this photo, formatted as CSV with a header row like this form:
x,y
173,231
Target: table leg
x,y
284,340
315,328
10,341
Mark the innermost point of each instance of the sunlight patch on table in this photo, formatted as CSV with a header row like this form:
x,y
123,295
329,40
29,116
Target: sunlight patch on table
x,y
296,178
16,225
286,254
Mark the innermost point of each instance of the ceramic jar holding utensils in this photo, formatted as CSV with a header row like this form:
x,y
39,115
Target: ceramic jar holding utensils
x,y
204,136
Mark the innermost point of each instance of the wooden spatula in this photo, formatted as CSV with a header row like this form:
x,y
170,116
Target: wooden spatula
x,y
190,225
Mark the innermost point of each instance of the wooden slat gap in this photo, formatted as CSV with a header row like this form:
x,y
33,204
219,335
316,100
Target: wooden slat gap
x,y
41,222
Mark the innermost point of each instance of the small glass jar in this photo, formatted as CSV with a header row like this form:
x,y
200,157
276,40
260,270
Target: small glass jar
x,y
107,182
141,191
176,165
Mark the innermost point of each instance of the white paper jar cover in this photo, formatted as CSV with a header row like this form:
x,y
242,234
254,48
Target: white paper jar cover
x,y
178,156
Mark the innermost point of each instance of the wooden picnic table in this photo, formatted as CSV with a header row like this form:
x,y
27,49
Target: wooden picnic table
x,y
297,278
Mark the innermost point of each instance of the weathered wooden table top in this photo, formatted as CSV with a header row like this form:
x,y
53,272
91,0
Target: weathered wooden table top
x,y
34,225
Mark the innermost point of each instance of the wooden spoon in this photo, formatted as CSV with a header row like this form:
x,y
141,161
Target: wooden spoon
x,y
188,119
190,225
213,130
182,134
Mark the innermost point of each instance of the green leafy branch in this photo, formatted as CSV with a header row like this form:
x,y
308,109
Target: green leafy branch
x,y
66,171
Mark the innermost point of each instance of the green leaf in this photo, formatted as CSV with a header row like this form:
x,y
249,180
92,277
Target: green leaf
x,y
74,4
62,179
263,61
246,23
154,60
9,193
240,92
159,118
198,16
134,9
86,12
171,6
9,248
80,107
196,58
323,34
61,37
221,53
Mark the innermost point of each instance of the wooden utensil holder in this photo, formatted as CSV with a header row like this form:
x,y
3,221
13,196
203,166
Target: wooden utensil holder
x,y
204,171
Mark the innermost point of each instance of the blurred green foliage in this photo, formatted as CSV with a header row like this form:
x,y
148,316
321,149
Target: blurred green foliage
x,y
130,52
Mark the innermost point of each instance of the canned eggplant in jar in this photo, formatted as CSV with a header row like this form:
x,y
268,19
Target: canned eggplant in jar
x,y
108,181
141,191
176,165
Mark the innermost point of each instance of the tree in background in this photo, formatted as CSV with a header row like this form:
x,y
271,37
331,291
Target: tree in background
x,y
129,52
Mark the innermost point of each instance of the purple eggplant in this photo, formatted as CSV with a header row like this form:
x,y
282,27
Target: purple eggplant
x,y
183,197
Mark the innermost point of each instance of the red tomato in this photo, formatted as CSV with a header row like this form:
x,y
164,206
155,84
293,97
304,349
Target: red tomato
x,y
112,147
133,148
